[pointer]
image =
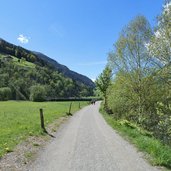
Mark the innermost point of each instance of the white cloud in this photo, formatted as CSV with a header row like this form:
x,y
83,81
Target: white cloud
x,y
23,39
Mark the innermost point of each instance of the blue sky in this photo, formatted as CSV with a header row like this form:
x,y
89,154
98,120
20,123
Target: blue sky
x,y
76,33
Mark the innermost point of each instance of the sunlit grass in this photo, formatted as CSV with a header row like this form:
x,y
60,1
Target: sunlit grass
x,y
18,120
22,63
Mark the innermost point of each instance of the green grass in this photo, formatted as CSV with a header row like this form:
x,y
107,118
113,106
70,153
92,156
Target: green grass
x,y
21,119
158,153
22,63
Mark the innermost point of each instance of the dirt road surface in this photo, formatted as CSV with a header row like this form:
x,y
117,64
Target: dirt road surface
x,y
87,143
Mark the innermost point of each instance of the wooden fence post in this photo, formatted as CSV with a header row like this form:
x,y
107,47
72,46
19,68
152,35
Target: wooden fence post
x,y
69,112
42,120
70,108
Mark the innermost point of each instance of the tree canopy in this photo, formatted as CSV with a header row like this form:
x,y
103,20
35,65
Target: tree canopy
x,y
140,91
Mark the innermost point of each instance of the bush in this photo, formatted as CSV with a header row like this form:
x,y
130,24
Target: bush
x,y
37,93
5,93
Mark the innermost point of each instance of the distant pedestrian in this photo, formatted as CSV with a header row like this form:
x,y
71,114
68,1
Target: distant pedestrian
x,y
93,101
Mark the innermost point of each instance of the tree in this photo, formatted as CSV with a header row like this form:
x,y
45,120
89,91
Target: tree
x,y
160,44
103,82
140,91
130,55
159,47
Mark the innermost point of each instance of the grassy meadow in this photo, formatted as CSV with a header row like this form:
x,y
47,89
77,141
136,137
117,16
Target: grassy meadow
x,y
22,62
20,119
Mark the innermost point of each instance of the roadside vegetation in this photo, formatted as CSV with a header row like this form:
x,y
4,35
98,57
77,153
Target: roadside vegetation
x,y
21,119
138,95
156,152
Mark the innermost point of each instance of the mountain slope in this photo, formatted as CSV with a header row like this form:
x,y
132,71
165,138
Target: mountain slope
x,y
43,60
65,70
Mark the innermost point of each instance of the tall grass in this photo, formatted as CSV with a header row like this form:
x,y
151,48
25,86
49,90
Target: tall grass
x,y
18,120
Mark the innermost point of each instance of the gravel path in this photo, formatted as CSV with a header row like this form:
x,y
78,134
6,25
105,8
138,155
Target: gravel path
x,y
87,143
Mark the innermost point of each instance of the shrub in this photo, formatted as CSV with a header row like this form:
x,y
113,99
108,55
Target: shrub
x,y
5,93
37,93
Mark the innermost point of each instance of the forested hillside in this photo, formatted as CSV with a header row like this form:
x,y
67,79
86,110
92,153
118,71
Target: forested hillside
x,y
65,70
24,76
42,60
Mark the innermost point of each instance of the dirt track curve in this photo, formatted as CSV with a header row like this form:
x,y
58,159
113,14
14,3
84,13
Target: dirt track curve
x,y
87,143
